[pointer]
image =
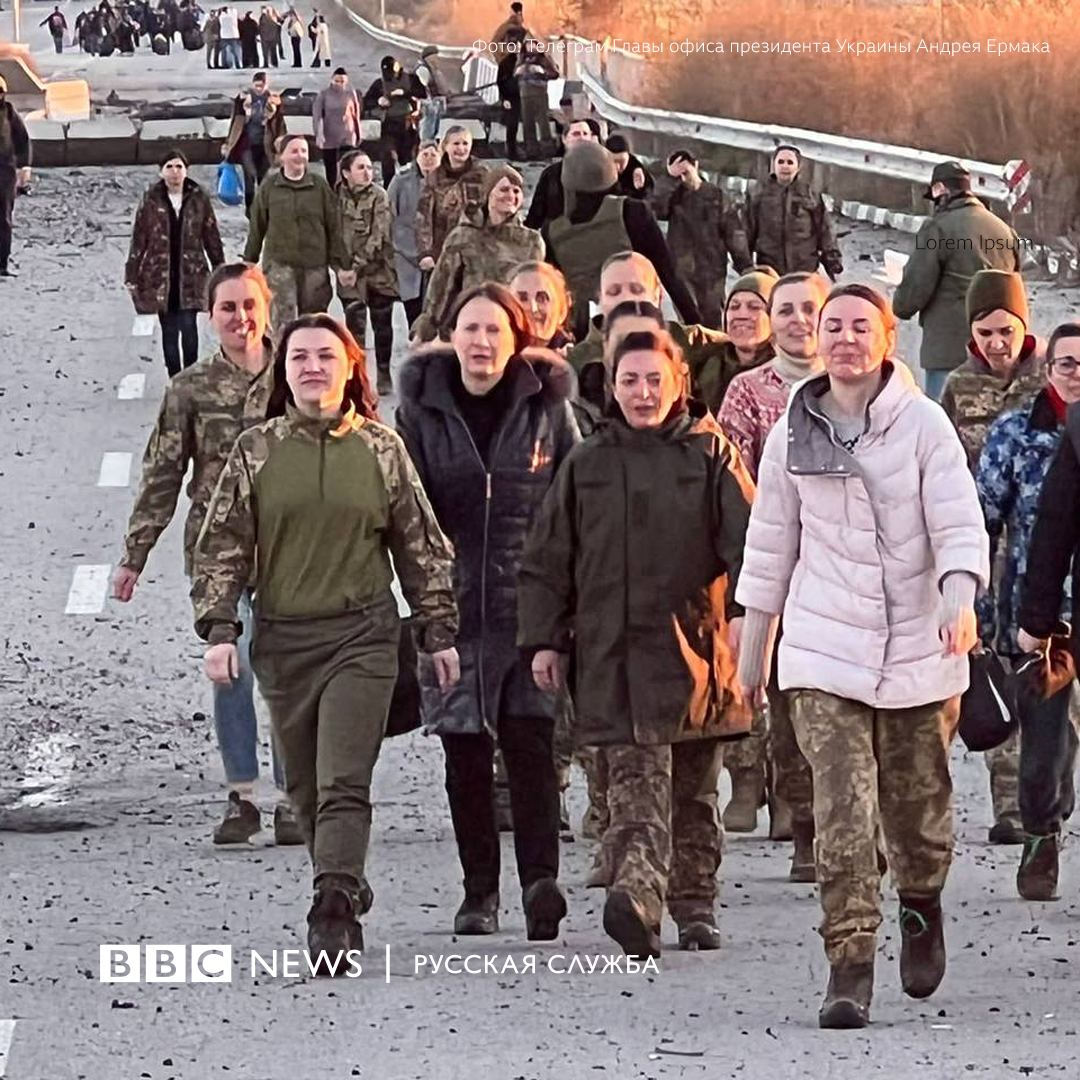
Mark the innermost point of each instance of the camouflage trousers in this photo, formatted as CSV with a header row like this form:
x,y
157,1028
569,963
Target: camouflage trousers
x,y
664,840
868,765
791,779
296,291
1004,765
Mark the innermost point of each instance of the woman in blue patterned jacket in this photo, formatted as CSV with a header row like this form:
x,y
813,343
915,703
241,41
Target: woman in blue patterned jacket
x,y
1016,456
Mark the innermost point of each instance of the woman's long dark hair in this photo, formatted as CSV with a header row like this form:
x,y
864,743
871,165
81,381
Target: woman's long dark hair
x,y
358,392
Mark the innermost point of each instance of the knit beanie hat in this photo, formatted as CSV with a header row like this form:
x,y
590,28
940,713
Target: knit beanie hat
x,y
758,279
589,168
993,290
494,175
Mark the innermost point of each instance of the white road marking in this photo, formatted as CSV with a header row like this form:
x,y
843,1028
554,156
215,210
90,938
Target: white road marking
x,y
47,773
7,1033
143,326
89,585
115,469
132,386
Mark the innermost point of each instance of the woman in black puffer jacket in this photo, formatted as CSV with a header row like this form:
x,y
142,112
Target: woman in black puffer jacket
x,y
487,429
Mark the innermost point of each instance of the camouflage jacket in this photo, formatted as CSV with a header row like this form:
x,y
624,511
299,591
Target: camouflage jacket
x,y
474,252
974,397
147,266
203,411
365,223
703,230
445,196
226,555
789,229
1012,466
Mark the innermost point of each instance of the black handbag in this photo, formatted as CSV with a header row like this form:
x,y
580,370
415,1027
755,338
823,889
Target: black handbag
x,y
404,713
988,707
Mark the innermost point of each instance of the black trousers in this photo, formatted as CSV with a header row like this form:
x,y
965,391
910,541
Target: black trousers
x,y
396,146
512,119
255,165
1048,745
382,325
297,61
413,308
179,327
8,182
525,742
330,156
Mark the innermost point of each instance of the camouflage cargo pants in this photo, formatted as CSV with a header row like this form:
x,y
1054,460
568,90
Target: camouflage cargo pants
x,y
1004,765
866,763
664,839
792,781
296,291
750,752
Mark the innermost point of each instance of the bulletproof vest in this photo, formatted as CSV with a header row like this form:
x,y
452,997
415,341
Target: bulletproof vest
x,y
400,106
582,248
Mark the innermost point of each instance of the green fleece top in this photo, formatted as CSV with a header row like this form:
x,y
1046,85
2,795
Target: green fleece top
x,y
323,509
296,223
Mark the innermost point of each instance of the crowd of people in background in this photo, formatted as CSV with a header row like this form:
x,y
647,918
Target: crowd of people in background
x,y
740,538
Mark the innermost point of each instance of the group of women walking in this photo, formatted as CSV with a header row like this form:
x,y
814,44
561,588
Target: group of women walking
x,y
606,563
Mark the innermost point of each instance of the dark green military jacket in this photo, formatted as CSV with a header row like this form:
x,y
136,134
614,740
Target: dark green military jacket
x,y
311,510
632,564
295,223
961,238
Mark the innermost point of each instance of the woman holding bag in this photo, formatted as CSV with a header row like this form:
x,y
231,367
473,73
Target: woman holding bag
x,y
323,475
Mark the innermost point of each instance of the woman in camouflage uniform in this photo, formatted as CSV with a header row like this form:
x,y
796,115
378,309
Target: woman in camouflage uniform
x,y
323,476
370,280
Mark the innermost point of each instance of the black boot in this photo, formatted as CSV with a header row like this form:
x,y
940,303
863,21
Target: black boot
x,y
1037,875
922,945
625,921
545,908
333,930
847,999
384,384
803,868
478,915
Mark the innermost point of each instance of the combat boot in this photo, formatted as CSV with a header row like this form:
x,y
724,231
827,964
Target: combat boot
x,y
241,822
1006,831
698,931
626,922
545,908
847,998
333,930
477,915
1037,875
802,858
781,826
286,830
747,794
922,945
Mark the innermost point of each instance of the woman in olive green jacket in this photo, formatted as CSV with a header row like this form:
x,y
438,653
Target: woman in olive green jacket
x,y
310,507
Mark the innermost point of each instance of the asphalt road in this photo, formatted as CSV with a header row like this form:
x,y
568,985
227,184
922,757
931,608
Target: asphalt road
x,y
110,786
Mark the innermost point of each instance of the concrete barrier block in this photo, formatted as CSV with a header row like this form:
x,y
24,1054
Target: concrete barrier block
x,y
103,140
300,125
50,142
67,100
370,130
189,135
216,130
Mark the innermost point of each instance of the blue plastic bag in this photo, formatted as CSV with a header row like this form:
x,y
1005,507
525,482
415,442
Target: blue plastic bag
x,y
230,184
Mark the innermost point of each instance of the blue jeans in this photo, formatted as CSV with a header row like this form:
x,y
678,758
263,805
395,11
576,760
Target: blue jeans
x,y
230,53
234,715
432,111
934,383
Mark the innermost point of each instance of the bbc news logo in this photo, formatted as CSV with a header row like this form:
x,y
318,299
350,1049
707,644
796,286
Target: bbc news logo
x,y
165,963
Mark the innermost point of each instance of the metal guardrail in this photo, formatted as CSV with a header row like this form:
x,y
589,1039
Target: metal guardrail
x,y
897,162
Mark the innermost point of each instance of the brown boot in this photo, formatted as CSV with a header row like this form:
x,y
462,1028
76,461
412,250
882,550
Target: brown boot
x,y
847,999
922,945
803,868
781,825
747,792
1037,875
